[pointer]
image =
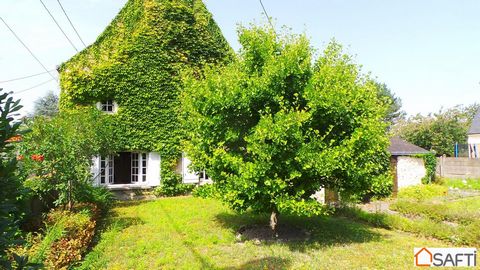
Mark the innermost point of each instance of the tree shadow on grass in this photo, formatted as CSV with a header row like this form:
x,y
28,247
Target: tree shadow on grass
x,y
263,263
321,231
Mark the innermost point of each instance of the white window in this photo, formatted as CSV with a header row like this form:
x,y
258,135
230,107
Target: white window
x,y
108,106
139,167
106,170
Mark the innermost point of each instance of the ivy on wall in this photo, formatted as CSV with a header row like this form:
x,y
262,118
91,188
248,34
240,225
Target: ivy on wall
x,y
137,61
430,161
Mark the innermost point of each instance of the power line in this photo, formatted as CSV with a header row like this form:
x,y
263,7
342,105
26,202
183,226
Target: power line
x,y
26,77
68,18
28,49
35,86
58,25
268,17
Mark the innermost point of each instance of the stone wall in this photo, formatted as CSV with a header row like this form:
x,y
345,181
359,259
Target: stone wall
x,y
451,167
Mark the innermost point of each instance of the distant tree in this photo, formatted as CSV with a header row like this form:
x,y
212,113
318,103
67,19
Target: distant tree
x,y
271,129
46,105
439,131
393,103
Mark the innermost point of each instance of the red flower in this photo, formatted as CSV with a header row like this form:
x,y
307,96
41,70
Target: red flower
x,y
16,138
38,158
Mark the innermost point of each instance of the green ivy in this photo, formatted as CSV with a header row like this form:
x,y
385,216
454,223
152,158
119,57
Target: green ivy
x,y
430,161
137,61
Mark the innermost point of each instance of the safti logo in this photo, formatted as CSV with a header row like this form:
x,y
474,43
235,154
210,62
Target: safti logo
x,y
463,257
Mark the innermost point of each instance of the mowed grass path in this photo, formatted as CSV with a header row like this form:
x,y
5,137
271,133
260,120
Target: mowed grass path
x,y
193,233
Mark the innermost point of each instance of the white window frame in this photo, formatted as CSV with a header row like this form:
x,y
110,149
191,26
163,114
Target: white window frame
x,y
107,171
139,165
102,104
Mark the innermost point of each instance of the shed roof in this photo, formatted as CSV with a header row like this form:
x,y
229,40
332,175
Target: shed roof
x,y
475,127
400,147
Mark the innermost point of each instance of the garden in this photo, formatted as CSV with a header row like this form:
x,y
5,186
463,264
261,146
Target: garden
x,y
271,127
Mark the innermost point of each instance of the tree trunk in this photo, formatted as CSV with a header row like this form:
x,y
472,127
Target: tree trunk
x,y
274,222
69,197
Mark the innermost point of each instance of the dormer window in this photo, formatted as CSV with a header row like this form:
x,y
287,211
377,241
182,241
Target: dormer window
x,y
108,106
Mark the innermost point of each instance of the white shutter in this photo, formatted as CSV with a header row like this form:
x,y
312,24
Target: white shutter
x,y
188,175
153,169
95,169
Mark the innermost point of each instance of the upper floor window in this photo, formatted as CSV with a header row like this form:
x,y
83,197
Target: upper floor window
x,y
108,106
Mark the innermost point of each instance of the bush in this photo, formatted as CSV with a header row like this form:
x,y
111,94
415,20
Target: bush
x,y
205,191
422,192
101,196
171,185
67,236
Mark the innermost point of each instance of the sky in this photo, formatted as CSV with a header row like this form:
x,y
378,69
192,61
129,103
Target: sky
x,y
427,52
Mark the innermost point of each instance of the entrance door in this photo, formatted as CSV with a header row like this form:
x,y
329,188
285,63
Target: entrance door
x,y
106,170
139,168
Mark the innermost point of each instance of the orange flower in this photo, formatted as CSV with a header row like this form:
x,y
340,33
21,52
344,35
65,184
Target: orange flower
x,y
16,138
20,157
36,157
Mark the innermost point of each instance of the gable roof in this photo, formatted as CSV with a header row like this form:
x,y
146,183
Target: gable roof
x,y
475,127
400,147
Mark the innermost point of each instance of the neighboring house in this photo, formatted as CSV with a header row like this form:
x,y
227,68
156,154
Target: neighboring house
x,y
474,137
133,73
408,170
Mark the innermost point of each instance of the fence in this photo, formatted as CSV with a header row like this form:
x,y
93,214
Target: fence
x,y
460,167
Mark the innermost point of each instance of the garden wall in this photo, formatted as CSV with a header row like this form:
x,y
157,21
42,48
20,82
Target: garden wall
x,y
410,171
451,167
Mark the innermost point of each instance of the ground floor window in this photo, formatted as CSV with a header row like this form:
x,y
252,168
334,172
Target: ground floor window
x,y
139,167
106,170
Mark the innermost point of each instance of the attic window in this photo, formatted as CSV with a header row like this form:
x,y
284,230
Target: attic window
x,y
108,106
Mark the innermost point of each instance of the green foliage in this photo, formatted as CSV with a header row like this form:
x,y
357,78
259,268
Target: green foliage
x,y
11,191
66,236
205,191
394,104
439,131
422,192
57,153
430,162
271,128
136,61
100,196
46,106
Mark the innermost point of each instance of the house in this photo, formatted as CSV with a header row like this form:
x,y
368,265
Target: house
x,y
408,169
474,137
132,72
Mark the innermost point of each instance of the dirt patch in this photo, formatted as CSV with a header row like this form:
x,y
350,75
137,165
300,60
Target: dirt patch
x,y
259,233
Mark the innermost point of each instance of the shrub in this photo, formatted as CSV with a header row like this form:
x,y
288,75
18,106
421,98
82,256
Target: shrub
x,y
205,191
422,192
101,196
67,236
171,185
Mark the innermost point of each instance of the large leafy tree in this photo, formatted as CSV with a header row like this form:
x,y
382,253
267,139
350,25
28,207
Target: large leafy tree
x,y
272,128
393,103
438,131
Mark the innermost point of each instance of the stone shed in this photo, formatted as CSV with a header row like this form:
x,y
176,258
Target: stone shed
x,y
408,170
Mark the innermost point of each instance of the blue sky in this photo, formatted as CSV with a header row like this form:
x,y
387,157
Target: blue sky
x,y
427,52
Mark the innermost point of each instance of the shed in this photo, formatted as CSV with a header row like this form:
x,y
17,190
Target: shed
x,y
407,168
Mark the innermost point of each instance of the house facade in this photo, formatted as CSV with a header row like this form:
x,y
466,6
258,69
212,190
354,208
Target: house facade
x,y
474,137
132,73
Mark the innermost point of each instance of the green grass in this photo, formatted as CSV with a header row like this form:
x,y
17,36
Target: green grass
x,y
422,192
463,183
194,233
465,210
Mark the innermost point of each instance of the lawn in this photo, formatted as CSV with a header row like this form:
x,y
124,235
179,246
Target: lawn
x,y
193,233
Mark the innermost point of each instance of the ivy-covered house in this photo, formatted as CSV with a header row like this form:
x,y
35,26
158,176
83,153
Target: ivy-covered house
x,y
132,73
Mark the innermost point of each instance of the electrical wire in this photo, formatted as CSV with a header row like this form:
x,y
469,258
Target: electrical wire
x,y
58,25
26,47
30,88
268,17
71,24
26,77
